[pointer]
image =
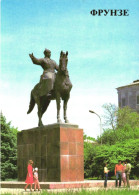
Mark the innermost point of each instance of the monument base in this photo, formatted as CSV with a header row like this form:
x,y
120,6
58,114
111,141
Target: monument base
x,y
57,151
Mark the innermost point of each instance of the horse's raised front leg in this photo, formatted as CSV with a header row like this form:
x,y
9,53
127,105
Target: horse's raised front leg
x,y
40,115
58,108
65,110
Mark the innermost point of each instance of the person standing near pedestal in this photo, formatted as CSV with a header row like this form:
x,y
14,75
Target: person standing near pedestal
x,y
29,178
128,170
118,172
123,173
35,179
105,175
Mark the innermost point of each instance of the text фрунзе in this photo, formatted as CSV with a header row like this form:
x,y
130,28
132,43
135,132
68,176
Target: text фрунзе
x,y
109,12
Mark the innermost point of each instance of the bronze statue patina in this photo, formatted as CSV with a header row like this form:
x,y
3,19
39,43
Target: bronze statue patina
x,y
47,78
51,86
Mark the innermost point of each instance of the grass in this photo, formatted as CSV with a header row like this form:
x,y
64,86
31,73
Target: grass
x,y
10,179
85,192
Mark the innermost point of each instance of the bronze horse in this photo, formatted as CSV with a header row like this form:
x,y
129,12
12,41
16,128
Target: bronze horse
x,y
62,87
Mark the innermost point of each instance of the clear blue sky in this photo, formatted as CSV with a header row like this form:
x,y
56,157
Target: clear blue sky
x,y
103,54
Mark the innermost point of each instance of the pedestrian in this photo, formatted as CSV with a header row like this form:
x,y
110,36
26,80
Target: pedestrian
x,y
105,175
127,171
118,172
35,179
123,173
29,178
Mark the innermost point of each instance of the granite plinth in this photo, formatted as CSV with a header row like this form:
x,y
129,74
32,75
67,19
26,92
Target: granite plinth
x,y
57,151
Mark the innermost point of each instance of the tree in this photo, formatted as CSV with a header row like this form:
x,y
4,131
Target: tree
x,y
115,117
110,116
96,156
111,137
124,124
8,149
126,116
88,137
119,143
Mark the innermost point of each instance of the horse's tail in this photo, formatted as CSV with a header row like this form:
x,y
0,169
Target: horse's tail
x,y
32,103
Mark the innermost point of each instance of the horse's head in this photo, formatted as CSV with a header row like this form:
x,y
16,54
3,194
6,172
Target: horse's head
x,y
63,61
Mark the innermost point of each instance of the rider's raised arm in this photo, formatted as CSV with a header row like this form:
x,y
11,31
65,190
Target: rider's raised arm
x,y
36,60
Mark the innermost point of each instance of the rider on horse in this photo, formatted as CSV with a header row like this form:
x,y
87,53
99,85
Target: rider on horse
x,y
47,79
51,88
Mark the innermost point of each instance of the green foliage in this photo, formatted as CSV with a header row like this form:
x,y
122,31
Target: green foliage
x,y
88,160
111,137
96,156
126,116
119,143
8,149
117,118
126,127
85,137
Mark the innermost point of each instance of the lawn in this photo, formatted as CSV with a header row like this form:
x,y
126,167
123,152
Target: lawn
x,y
85,192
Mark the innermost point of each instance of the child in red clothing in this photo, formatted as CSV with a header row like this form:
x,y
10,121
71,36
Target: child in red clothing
x,y
29,178
35,179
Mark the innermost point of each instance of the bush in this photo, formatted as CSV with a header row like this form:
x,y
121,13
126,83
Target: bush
x,y
97,155
8,149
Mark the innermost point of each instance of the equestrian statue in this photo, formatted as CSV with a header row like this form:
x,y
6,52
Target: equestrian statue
x,y
52,86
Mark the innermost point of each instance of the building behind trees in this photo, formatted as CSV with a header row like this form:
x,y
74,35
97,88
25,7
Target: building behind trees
x,y
128,95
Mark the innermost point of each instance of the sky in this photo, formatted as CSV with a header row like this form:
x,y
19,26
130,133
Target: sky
x,y
102,55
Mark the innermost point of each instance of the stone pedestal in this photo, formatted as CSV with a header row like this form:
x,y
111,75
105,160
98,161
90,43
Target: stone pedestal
x,y
57,151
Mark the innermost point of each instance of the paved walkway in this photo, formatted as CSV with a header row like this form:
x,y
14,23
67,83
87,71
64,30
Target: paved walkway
x,y
68,185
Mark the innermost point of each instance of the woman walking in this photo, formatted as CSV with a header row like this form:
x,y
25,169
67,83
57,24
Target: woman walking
x,y
29,178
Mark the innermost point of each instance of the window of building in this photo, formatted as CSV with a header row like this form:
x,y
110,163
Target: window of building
x,y
137,99
123,102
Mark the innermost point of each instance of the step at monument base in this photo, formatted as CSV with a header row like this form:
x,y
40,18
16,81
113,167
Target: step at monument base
x,y
66,185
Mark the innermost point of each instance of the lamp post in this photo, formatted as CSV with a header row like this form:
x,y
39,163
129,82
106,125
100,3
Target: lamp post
x,y
100,124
